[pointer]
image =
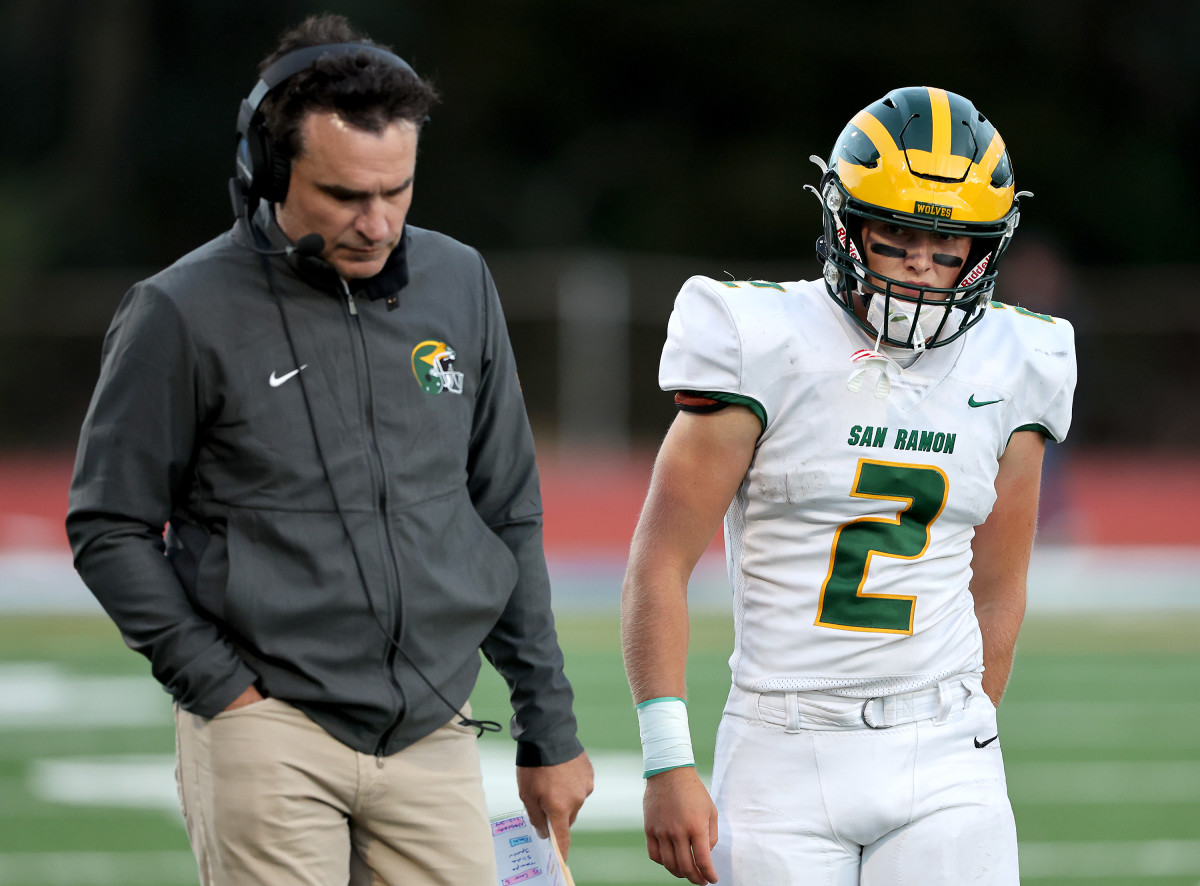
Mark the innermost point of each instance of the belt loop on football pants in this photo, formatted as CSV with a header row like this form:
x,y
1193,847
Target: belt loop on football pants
x,y
945,700
791,704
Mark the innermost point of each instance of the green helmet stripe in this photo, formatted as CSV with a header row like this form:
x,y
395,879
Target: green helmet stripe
x,y
961,143
856,147
915,120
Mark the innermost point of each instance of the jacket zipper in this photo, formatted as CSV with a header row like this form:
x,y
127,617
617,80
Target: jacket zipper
x,y
381,503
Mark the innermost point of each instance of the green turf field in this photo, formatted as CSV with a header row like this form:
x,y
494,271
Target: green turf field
x,y
1101,734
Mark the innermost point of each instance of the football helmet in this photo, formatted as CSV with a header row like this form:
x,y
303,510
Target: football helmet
x,y
433,366
921,158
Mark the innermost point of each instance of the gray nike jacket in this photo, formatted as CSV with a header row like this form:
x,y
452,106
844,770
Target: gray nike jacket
x,y
345,511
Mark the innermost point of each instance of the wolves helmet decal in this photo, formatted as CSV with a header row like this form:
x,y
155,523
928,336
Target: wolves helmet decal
x,y
433,367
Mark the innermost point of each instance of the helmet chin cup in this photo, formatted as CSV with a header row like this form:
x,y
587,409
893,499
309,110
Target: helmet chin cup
x,y
899,319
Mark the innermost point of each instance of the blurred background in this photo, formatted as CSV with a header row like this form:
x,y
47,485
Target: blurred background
x,y
598,155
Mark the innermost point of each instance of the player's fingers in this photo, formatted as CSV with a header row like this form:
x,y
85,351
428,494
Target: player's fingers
x,y
702,858
702,850
684,862
666,854
652,849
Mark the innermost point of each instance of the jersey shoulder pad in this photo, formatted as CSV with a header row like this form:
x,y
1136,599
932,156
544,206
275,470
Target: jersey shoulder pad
x,y
1039,353
720,337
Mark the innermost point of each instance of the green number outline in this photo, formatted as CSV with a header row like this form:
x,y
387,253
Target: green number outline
x,y
923,489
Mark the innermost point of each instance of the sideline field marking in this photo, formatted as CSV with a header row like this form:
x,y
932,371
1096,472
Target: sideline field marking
x,y
1090,861
1062,579
40,695
165,868
148,782
1133,781
1096,861
1082,861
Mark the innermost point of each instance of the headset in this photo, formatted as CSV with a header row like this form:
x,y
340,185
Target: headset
x,y
262,169
263,173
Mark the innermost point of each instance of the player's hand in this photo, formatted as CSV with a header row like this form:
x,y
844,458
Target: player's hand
x,y
681,824
554,795
249,696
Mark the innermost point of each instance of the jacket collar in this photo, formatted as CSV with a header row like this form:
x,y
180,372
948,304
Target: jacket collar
x,y
319,274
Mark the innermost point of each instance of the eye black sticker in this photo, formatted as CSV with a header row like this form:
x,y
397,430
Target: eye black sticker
x,y
939,258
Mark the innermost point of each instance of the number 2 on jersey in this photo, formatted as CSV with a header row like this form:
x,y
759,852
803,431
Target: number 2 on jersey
x,y
922,490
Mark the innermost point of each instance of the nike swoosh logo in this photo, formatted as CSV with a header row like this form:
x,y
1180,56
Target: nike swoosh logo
x,y
971,401
276,381
984,744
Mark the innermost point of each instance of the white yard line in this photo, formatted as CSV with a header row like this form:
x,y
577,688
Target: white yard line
x,y
1062,579
1096,861
98,868
37,695
1158,781
1081,861
149,782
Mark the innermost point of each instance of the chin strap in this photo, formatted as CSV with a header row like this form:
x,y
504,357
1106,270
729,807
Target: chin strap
x,y
864,361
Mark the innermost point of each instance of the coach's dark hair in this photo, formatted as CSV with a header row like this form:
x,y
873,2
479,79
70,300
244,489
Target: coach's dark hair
x,y
367,91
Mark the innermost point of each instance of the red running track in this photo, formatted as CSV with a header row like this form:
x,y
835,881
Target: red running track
x,y
592,500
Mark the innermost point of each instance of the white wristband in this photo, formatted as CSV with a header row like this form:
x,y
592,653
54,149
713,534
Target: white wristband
x,y
666,739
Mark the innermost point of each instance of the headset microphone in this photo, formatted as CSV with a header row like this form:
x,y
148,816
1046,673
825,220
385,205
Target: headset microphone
x,y
308,246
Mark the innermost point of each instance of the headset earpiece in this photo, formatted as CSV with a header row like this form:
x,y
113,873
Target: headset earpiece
x,y
263,170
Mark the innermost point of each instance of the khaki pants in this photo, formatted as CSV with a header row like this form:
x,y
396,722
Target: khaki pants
x,y
269,797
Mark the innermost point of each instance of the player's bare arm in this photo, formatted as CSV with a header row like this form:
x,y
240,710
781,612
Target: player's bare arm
x,y
699,468
1000,557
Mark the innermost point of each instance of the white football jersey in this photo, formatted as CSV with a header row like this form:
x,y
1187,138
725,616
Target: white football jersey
x,y
849,542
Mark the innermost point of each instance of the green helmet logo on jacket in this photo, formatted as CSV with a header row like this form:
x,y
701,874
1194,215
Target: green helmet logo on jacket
x,y
433,366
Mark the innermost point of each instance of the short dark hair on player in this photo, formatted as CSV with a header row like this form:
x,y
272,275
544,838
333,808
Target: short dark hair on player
x,y
364,89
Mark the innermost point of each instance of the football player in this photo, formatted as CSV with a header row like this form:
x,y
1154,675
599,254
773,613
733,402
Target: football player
x,y
874,442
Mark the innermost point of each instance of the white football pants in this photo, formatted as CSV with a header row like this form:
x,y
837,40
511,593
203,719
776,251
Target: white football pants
x,y
842,804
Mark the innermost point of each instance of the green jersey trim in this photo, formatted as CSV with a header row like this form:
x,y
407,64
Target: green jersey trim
x,y
738,400
1041,429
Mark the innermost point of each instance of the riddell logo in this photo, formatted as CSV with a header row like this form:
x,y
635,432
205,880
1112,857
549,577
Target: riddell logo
x,y
976,272
933,209
847,243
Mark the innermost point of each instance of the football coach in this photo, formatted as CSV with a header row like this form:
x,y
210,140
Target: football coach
x,y
321,407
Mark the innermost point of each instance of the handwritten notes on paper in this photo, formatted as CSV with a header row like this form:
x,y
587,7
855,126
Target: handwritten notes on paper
x,y
522,857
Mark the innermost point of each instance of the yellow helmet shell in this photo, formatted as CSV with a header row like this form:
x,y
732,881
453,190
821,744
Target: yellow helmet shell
x,y
929,154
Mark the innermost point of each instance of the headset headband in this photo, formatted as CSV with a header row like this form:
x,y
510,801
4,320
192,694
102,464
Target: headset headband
x,y
298,60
